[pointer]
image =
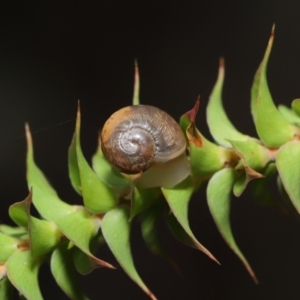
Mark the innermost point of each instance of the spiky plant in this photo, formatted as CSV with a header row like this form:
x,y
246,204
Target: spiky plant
x,y
69,235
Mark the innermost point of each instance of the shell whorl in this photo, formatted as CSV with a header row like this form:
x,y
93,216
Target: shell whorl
x,y
136,137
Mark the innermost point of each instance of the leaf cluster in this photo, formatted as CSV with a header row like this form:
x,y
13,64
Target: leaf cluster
x,y
67,236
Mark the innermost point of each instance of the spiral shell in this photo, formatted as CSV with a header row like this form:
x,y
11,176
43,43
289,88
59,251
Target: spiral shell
x,y
136,137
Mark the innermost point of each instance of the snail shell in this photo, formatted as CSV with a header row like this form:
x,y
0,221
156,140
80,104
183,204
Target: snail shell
x,y
136,137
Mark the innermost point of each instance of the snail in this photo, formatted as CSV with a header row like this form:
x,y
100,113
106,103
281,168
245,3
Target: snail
x,y
139,138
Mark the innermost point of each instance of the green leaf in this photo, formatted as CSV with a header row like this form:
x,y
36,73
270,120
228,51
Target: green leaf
x,y
64,272
8,245
178,199
289,115
116,232
6,289
285,206
13,231
74,172
22,271
296,106
240,185
252,153
44,236
242,182
150,228
219,125
219,198
136,89
261,188
80,227
254,94
83,262
206,158
177,230
109,176
97,197
271,127
18,211
254,157
287,163
143,199
44,197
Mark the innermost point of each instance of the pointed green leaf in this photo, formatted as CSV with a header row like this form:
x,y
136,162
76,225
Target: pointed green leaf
x,y
261,188
178,199
64,272
285,206
240,185
74,173
109,176
116,232
188,118
6,289
243,180
143,199
44,198
255,93
84,264
287,163
18,211
177,230
8,245
136,89
252,153
150,228
22,271
206,158
44,236
271,127
13,231
256,82
219,198
289,115
97,197
254,156
80,227
219,125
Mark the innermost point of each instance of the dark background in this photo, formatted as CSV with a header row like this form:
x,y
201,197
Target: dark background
x,y
51,56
